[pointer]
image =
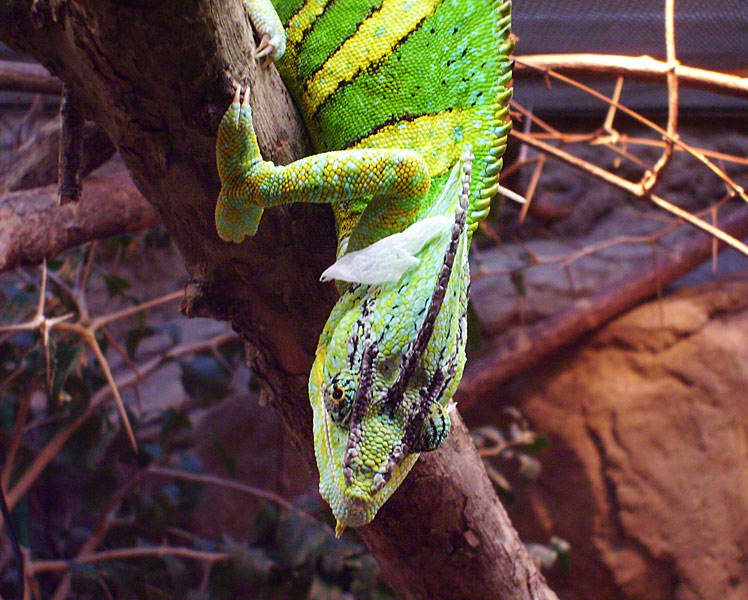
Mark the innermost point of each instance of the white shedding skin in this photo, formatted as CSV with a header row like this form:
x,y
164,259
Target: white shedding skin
x,y
389,258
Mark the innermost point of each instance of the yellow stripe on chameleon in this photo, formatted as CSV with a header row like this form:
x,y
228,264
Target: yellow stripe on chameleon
x,y
432,135
375,38
299,24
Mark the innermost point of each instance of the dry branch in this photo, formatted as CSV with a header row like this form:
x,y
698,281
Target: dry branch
x,y
519,352
71,147
33,226
636,189
40,566
27,77
634,67
58,440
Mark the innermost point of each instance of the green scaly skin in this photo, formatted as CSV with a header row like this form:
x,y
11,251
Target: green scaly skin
x,y
394,93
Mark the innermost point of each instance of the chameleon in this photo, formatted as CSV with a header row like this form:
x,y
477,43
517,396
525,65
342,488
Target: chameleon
x,y
406,104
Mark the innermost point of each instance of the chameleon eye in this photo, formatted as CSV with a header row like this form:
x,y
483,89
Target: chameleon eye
x,y
338,401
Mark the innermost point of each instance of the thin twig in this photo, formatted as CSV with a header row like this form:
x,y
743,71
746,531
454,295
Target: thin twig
x,y
131,310
99,531
41,566
531,187
15,438
686,148
90,338
516,353
594,138
610,117
642,67
215,480
632,188
650,179
53,447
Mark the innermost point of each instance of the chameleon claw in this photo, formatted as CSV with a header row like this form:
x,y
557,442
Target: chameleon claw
x,y
270,48
339,528
264,48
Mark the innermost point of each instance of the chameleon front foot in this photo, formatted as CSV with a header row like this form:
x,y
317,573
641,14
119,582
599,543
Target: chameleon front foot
x,y
236,153
386,184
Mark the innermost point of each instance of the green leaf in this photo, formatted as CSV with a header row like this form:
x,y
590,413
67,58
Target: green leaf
x,y
64,361
299,540
205,379
115,284
178,573
135,336
540,442
85,578
518,282
173,422
244,575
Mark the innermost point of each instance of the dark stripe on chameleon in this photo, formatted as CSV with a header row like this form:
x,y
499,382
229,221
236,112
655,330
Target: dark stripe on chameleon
x,y
371,67
340,45
309,26
286,9
309,32
408,118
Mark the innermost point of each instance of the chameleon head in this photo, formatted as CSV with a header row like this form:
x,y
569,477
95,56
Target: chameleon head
x,y
360,467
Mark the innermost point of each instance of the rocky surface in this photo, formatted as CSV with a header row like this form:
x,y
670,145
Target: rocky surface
x,y
647,473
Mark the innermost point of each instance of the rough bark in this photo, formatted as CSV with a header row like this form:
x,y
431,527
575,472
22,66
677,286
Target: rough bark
x,y
34,226
157,80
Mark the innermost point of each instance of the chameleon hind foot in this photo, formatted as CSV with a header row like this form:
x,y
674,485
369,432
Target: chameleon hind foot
x,y
388,185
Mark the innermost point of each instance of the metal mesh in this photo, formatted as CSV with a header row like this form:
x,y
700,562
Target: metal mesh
x,y
710,34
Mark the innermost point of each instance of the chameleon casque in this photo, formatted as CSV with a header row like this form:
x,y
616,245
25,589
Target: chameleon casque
x,y
406,102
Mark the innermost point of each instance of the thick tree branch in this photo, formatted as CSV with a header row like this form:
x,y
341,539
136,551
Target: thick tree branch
x,y
157,80
27,77
34,226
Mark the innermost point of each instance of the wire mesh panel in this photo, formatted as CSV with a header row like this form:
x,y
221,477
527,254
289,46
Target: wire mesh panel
x,y
709,33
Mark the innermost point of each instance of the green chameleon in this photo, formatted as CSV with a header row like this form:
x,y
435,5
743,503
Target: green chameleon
x,y
406,102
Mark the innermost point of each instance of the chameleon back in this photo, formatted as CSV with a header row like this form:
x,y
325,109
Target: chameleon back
x,y
426,75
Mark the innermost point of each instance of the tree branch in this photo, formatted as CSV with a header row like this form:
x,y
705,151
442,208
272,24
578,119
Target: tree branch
x,y
34,226
635,67
35,163
27,77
